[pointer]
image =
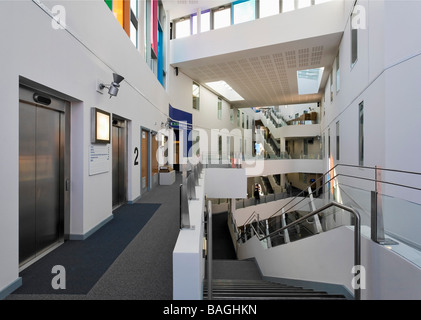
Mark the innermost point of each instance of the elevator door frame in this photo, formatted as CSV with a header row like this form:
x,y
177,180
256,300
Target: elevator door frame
x,y
26,96
121,123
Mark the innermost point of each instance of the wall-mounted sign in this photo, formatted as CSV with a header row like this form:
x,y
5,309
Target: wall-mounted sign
x,y
99,159
136,156
100,126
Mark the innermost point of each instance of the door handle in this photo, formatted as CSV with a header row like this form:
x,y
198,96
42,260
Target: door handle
x,y
67,185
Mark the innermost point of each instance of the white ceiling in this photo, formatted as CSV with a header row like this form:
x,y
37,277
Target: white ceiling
x,y
267,76
264,76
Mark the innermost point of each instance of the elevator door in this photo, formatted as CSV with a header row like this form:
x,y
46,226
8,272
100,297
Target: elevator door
x,y
41,176
119,163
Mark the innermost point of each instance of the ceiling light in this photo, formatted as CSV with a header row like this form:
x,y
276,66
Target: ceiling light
x,y
225,90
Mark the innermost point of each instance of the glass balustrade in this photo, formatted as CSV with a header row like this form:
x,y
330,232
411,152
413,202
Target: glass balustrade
x,y
391,221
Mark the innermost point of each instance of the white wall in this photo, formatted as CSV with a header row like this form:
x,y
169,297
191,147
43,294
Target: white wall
x,y
205,120
385,78
255,167
330,257
188,259
226,183
70,62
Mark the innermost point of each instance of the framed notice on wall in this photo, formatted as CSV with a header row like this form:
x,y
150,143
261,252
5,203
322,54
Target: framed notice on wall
x,y
99,159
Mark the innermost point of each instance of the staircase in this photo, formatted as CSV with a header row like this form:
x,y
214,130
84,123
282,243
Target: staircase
x,y
241,280
224,289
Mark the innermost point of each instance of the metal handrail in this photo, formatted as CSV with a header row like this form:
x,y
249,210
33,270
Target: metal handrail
x,y
301,194
357,234
188,192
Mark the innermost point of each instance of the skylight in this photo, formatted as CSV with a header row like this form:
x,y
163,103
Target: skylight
x,y
225,90
309,80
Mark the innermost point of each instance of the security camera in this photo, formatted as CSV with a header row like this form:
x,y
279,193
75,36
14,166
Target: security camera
x,y
113,87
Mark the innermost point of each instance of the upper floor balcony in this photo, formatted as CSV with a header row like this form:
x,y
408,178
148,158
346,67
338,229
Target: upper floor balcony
x,y
260,59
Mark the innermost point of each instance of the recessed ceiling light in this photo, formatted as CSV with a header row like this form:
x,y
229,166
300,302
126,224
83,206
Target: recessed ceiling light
x,y
225,90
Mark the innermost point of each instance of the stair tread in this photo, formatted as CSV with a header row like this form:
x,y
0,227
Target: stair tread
x,y
238,289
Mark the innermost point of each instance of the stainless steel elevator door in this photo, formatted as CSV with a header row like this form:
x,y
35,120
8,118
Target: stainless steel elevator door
x,y
119,165
40,136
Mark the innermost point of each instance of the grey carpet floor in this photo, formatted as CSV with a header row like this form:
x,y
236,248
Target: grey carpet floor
x,y
143,271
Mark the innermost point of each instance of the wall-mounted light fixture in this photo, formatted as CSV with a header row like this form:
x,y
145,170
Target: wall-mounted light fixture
x,y
113,86
100,126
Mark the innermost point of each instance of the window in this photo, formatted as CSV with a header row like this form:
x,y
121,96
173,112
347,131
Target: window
x,y
134,22
331,86
126,13
196,96
182,28
160,62
338,74
337,142
204,22
238,117
328,143
268,8
243,11
288,5
231,115
361,134
219,108
354,43
222,17
154,26
133,34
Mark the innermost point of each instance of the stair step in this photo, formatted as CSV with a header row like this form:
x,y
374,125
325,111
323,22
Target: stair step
x,y
260,289
278,298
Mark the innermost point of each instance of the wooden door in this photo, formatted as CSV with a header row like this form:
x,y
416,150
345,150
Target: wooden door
x,y
145,159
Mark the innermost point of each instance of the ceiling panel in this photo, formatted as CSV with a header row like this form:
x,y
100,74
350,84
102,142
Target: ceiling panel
x,y
267,76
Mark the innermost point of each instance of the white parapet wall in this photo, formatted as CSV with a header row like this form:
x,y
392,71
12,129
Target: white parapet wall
x,y
327,258
188,260
226,183
188,257
257,167
267,210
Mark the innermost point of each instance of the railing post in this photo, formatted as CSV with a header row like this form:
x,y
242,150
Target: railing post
x,y
357,248
286,233
210,250
377,224
181,206
269,241
184,204
318,226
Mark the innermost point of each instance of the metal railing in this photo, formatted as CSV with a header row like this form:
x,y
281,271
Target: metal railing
x,y
357,233
188,191
375,211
